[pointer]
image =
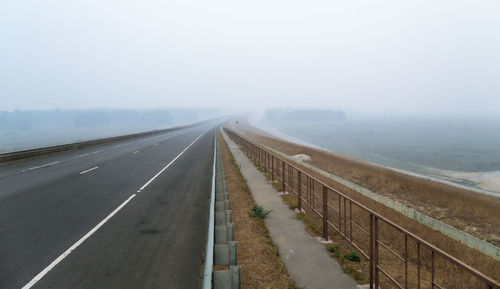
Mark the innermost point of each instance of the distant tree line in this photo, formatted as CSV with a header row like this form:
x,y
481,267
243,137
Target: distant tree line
x,y
305,115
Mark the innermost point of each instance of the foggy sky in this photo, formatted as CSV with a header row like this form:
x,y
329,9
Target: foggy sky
x,y
396,56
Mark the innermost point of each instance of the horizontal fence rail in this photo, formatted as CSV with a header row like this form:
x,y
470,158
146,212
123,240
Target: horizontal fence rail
x,y
381,241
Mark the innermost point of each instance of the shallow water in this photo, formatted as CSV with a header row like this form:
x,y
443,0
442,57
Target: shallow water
x,y
470,145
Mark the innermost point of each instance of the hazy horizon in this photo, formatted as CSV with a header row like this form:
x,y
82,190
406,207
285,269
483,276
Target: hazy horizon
x,y
423,57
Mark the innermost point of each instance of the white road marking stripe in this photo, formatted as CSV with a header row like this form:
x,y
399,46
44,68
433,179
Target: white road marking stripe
x,y
84,172
42,166
84,155
115,147
162,170
96,152
136,152
72,248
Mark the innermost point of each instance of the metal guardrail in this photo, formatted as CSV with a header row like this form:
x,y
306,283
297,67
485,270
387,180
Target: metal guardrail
x,y
12,156
368,231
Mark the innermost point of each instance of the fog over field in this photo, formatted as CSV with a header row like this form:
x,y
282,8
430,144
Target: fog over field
x,y
426,56
453,148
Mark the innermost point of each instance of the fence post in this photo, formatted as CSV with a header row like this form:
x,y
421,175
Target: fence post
x,y
375,243
265,162
299,191
283,175
272,168
433,268
325,213
371,251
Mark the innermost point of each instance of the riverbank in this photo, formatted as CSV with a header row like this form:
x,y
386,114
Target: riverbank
x,y
462,208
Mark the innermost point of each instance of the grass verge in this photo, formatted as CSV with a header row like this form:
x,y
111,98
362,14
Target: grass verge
x,y
261,266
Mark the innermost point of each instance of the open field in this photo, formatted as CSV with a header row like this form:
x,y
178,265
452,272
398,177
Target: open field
x,y
447,201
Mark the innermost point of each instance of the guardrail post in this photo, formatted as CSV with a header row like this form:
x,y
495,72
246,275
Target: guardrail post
x,y
299,191
325,213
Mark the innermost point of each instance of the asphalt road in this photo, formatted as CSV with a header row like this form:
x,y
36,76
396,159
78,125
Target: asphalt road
x,y
130,214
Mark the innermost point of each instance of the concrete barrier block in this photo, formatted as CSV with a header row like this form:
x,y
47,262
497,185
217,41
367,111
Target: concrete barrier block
x,y
221,234
235,277
223,279
219,206
230,231
228,279
233,252
228,216
221,254
220,197
227,205
220,218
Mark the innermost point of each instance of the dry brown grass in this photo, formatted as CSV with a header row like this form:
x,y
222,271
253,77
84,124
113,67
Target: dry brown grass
x,y
380,179
469,211
261,266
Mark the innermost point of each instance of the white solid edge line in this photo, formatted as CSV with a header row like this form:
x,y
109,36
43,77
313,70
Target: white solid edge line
x,y
170,163
84,172
72,248
209,255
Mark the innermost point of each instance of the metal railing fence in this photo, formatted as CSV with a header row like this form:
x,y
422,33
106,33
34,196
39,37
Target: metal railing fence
x,y
378,239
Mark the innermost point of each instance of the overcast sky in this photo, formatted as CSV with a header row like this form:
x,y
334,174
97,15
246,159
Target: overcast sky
x,y
393,55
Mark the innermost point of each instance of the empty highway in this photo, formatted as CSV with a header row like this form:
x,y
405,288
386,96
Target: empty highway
x,y
128,214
